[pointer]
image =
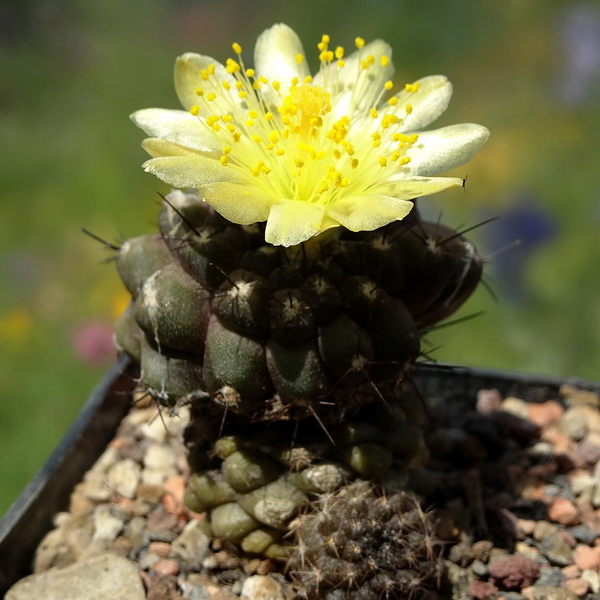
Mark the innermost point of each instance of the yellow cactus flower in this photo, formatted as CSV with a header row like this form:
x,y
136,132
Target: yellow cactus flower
x,y
305,153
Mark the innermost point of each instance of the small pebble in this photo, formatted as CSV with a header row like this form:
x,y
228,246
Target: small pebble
x,y
586,558
583,534
546,413
124,477
161,549
571,571
556,550
550,576
578,585
165,566
488,401
515,406
261,587
593,578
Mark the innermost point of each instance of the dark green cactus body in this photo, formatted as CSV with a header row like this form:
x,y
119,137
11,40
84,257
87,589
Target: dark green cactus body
x,y
291,359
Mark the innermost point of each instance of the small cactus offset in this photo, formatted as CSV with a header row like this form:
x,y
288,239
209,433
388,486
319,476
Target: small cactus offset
x,y
284,297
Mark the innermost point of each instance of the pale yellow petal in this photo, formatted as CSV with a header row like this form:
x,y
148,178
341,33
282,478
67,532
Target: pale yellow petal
x,y
292,222
188,79
408,188
353,85
158,147
241,204
428,102
176,126
369,212
189,171
275,57
443,149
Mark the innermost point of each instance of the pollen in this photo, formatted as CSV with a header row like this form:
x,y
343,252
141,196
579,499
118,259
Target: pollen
x,y
236,48
359,42
299,58
195,110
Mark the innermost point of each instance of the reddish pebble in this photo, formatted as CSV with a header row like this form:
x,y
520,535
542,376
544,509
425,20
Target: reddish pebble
x,y
514,572
567,537
173,499
546,413
161,549
571,571
560,441
166,566
586,558
482,589
563,511
578,586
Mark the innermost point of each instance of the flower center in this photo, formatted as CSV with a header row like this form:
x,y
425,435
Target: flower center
x,y
295,146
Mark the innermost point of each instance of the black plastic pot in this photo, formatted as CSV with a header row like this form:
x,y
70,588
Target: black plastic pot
x,y
30,517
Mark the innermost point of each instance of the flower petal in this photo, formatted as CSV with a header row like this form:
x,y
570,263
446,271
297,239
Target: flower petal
x,y
242,204
275,58
428,102
188,78
409,188
189,171
159,147
443,149
369,212
292,222
355,86
176,126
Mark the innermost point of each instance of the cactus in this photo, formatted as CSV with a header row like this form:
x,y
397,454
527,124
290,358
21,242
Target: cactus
x,y
285,294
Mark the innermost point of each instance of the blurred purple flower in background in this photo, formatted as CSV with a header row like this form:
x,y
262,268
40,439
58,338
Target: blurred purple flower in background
x,y
93,343
525,223
579,32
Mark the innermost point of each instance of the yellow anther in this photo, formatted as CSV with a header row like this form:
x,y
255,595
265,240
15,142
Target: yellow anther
x,y
264,169
269,116
237,136
249,122
211,69
227,149
250,72
294,82
323,187
299,58
226,118
412,87
274,136
211,120
195,110
224,160
383,161
204,74
342,183
341,63
395,155
320,155
354,163
413,138
364,64
236,48
337,154
226,85
359,42
350,149
388,85
405,160
325,39
408,108
326,56
276,85
371,59
388,120
384,61
212,96
216,127
231,128
285,134
280,152
374,113
393,101
252,114
299,162
239,85
308,79
199,91
242,94
231,66
339,52
257,85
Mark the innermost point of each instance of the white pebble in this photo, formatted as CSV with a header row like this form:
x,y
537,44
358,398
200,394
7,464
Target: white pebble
x,y
124,477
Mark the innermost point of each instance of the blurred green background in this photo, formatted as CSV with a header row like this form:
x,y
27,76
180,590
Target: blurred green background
x,y
73,70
